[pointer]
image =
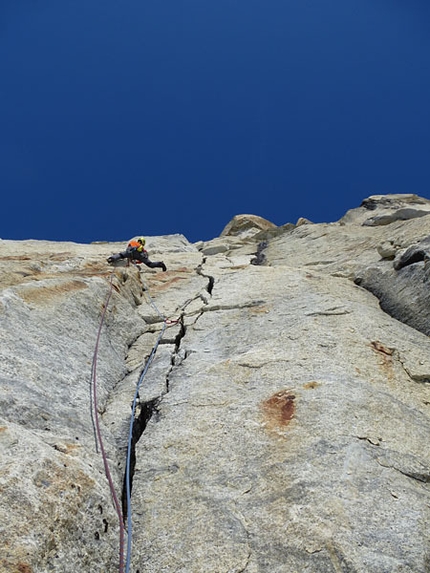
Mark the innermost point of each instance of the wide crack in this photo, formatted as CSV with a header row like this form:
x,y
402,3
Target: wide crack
x,y
146,411
150,408
260,257
211,279
177,358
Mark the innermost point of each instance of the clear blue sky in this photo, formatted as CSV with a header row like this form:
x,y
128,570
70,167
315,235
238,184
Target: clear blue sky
x,y
162,116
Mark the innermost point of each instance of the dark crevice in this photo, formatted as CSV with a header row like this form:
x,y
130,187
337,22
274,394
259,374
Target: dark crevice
x,y
180,335
260,257
200,314
211,279
150,408
147,410
211,282
410,257
177,358
403,298
418,476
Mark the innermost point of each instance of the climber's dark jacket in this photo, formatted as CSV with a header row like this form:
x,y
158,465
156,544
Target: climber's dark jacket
x,y
139,255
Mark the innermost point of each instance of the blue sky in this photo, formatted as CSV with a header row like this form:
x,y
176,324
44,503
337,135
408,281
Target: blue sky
x,y
164,116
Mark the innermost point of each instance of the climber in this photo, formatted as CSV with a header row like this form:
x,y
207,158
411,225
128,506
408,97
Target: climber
x,y
135,252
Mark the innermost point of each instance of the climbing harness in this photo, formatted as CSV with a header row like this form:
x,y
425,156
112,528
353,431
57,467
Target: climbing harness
x,y
99,442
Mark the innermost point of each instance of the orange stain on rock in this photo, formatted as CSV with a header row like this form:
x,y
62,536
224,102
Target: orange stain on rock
x,y
46,293
162,283
311,385
260,309
379,347
279,410
15,258
386,355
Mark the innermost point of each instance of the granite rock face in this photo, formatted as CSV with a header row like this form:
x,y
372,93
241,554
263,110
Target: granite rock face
x,y
284,420
379,210
246,226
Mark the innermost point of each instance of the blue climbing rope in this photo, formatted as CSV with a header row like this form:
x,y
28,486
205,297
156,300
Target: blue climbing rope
x,y
97,429
166,323
129,447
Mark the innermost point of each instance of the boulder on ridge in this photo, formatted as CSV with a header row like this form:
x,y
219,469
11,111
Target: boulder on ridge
x,y
246,226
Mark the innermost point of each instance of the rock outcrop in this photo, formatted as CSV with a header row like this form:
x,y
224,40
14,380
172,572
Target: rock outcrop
x,y
282,427
246,226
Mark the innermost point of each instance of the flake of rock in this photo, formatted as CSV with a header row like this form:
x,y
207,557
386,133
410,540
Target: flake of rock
x,y
399,215
223,245
388,249
402,293
413,254
384,205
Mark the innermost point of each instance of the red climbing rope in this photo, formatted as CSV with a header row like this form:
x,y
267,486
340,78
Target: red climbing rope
x,y
99,435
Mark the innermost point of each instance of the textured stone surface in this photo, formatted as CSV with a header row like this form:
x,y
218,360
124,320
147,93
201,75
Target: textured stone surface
x,y
293,437
55,509
287,414
385,209
246,226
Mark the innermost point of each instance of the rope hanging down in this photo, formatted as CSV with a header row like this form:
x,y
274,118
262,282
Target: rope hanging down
x,y
166,323
99,440
99,435
129,447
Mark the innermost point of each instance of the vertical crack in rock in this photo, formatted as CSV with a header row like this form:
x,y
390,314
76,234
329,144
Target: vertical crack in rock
x,y
146,411
211,279
177,355
149,408
239,516
211,282
245,567
260,257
